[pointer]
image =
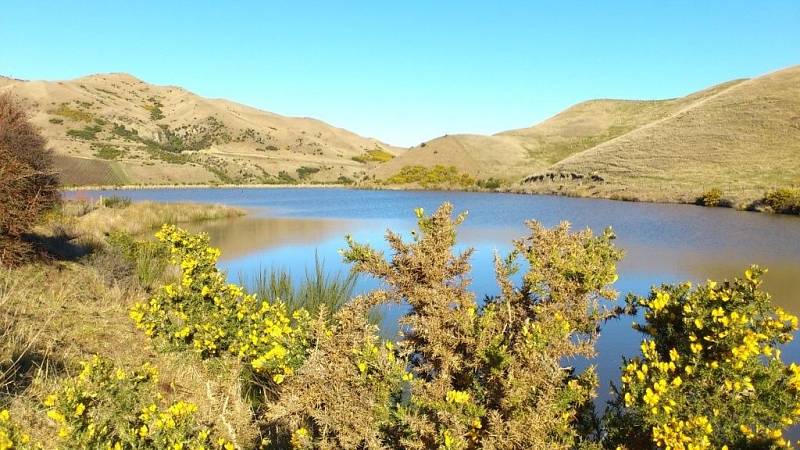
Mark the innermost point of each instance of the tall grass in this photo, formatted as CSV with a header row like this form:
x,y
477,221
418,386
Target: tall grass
x,y
319,288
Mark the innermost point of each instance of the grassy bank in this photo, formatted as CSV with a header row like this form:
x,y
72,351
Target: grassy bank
x,y
59,312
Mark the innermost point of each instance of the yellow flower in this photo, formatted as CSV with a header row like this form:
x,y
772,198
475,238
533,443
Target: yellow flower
x,y
455,396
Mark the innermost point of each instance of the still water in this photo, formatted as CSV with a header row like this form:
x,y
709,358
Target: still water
x,y
662,243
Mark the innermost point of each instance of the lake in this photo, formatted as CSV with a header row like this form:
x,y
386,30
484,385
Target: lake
x,y
662,243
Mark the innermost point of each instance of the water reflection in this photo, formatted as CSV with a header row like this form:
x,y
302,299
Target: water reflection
x,y
241,237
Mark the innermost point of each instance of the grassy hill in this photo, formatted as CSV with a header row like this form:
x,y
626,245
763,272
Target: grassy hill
x,y
742,137
743,140
117,129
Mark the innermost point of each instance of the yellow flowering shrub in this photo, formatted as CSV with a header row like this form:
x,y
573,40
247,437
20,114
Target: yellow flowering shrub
x,y
205,313
710,374
108,407
10,435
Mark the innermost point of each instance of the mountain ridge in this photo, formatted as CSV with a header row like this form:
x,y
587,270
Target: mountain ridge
x,y
134,132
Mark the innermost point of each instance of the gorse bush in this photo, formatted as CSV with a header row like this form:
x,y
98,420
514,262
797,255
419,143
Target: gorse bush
x,y
711,197
108,407
785,200
710,374
429,177
212,317
28,183
10,435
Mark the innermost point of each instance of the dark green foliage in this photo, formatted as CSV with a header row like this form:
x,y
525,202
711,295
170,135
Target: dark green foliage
x,y
318,288
116,201
127,134
155,110
56,121
305,171
490,183
107,151
345,180
284,177
88,133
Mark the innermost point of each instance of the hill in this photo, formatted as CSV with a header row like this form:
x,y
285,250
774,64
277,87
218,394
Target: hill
x,y
743,140
742,137
117,129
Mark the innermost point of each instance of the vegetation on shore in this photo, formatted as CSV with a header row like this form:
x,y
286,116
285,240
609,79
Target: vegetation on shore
x,y
222,367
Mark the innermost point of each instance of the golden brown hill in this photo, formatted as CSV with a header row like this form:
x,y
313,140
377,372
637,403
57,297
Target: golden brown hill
x,y
511,155
743,140
117,129
742,137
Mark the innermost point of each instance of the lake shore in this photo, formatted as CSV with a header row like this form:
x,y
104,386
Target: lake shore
x,y
519,191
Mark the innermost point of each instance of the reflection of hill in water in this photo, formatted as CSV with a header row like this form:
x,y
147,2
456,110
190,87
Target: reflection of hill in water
x,y
241,236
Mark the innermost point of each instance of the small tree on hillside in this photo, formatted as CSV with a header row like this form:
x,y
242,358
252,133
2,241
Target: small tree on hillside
x,y
28,183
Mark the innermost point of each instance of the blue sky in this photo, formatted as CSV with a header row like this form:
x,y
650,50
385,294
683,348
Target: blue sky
x,y
406,71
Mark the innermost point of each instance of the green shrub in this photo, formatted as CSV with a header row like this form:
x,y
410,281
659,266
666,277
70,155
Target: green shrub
x,y
56,121
116,201
711,197
107,151
304,171
149,259
88,133
490,183
710,374
127,134
108,407
784,201
284,177
345,180
318,289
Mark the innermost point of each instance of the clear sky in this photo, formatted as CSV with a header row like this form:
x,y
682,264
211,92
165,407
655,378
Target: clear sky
x,y
406,71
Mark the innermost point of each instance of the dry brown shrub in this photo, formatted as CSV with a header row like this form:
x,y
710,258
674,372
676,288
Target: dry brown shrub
x,y
463,375
28,183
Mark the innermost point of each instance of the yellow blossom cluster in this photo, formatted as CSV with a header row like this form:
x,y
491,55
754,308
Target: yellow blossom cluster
x,y
211,316
10,435
108,407
712,349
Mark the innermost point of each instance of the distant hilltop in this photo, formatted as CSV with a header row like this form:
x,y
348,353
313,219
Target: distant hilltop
x,y
742,137
114,129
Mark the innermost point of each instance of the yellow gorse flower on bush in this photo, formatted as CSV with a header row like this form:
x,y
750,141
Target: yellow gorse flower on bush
x,y
10,435
724,335
108,407
213,317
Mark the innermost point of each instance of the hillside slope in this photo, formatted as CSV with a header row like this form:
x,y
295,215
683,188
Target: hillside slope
x,y
743,140
117,129
511,155
742,137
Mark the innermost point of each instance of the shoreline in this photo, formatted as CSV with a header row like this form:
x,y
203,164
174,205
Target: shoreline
x,y
131,187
